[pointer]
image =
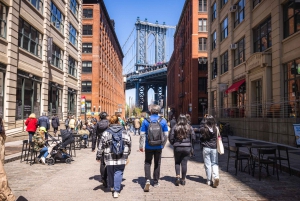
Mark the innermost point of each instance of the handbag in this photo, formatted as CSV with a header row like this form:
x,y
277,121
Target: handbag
x,y
220,146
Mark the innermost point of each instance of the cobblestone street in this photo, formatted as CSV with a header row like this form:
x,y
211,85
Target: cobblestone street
x,y
80,181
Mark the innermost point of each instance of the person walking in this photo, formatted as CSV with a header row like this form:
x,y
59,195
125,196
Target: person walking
x,y
208,137
72,123
137,126
115,159
79,124
67,122
152,150
6,193
94,134
181,138
40,145
43,121
31,123
55,124
173,122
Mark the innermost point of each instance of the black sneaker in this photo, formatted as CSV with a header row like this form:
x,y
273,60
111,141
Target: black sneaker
x,y
104,183
177,181
182,182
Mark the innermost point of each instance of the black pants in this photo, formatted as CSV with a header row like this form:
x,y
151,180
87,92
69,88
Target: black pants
x,y
148,160
181,155
55,130
103,170
137,130
95,140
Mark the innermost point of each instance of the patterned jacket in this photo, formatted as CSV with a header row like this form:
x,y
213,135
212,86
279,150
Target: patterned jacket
x,y
39,142
104,146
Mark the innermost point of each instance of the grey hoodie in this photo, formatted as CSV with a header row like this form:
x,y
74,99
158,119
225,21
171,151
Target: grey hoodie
x,y
211,141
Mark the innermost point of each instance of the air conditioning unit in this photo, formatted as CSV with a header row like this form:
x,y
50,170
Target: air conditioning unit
x,y
233,8
233,46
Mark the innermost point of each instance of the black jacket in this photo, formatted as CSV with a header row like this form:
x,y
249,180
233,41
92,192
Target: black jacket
x,y
55,122
211,140
185,142
172,123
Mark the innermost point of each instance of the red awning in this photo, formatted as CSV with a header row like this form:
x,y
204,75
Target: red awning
x,y
235,86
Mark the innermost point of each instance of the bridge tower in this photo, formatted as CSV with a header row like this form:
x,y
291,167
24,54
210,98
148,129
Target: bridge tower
x,y
144,30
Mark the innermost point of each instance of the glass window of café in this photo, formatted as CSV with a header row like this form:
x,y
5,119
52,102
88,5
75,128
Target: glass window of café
x,y
72,95
28,97
55,98
238,101
2,78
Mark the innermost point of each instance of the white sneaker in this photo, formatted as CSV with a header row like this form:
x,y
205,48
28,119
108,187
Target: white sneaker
x,y
147,186
116,194
43,160
208,183
216,182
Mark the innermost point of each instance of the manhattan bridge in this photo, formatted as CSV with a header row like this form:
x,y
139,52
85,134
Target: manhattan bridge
x,y
147,52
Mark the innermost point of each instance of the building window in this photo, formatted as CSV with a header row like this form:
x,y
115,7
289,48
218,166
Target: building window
x,y
292,80
72,95
28,95
55,99
87,47
240,13
86,66
202,84
87,30
74,7
73,35
214,11
86,86
214,69
87,13
29,38
255,2
38,4
291,13
224,62
262,36
202,44
88,106
239,52
202,6
224,29
257,105
202,25
57,18
72,66
57,56
202,64
223,2
214,40
3,19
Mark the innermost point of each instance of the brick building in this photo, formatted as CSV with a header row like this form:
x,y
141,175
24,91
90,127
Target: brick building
x,y
30,80
102,80
187,69
254,67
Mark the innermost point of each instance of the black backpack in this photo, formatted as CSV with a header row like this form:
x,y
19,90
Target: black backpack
x,y
102,126
155,133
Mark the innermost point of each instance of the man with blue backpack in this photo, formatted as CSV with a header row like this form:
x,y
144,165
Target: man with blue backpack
x,y
154,133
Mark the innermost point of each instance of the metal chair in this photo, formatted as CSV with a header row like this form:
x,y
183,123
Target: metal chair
x,y
281,158
33,153
238,159
25,150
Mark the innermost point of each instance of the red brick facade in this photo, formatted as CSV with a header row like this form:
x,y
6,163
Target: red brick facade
x,y
185,95
107,92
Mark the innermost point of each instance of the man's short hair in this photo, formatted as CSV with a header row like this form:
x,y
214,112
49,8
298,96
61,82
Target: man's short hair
x,y
155,109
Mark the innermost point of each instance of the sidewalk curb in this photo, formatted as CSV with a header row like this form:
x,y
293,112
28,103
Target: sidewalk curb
x,y
12,157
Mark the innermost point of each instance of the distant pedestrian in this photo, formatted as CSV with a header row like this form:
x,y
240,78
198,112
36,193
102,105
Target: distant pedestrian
x,y
31,123
43,121
72,123
153,150
181,137
208,137
79,124
55,124
67,122
172,122
137,126
115,159
94,135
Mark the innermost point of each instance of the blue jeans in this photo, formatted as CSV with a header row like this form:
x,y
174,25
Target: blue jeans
x,y
115,176
85,137
43,152
210,157
30,136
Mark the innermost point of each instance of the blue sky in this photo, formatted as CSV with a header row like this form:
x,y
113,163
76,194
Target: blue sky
x,y
125,13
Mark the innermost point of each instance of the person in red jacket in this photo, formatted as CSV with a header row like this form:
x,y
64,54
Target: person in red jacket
x,y
31,123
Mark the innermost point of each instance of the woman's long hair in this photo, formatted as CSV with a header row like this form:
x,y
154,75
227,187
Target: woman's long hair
x,y
182,128
210,122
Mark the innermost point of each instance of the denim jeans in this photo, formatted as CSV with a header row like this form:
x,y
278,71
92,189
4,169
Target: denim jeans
x,y
85,137
30,136
210,157
43,152
115,176
137,130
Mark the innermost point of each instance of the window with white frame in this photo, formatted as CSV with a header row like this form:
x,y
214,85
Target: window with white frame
x,y
38,4
3,20
87,48
224,29
73,35
202,44
74,7
72,66
202,25
29,38
240,13
57,18
239,52
57,56
86,66
86,86
202,6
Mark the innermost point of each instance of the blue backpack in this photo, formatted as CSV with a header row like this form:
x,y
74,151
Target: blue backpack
x,y
117,144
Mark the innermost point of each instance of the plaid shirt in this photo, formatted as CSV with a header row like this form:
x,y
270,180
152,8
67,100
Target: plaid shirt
x,y
109,157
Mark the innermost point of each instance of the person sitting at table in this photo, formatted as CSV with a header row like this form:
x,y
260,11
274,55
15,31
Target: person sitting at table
x,y
84,134
40,145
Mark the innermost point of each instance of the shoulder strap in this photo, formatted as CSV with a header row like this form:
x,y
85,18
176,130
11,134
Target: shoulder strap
x,y
148,119
159,119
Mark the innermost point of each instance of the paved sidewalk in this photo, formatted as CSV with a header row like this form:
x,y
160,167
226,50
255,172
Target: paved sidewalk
x,y
80,181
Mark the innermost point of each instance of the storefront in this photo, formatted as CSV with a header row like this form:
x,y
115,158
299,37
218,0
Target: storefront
x,y
2,79
55,99
72,97
238,94
28,96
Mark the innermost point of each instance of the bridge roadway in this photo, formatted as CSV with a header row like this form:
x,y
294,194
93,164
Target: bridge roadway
x,y
79,181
